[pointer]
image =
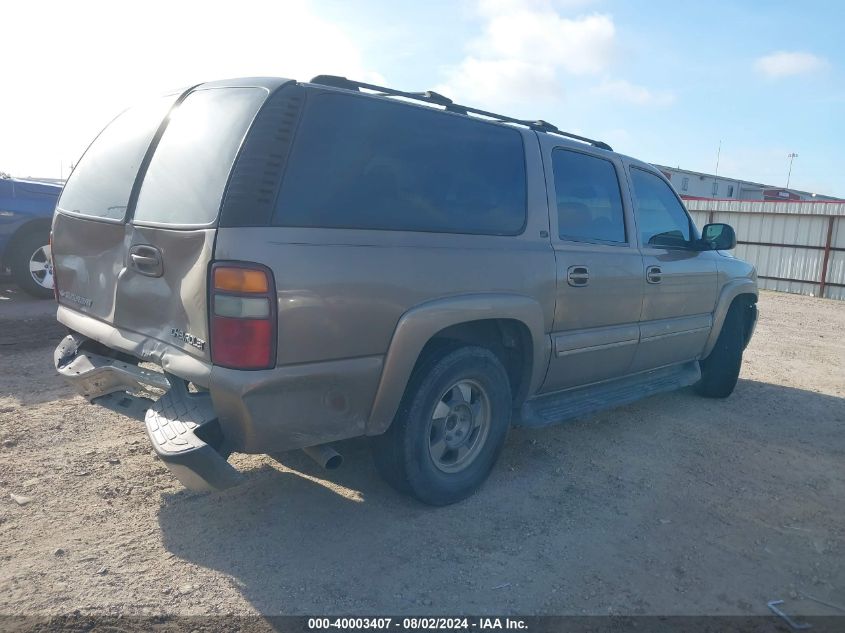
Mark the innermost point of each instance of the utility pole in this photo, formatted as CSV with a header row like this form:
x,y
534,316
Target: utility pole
x,y
791,156
718,155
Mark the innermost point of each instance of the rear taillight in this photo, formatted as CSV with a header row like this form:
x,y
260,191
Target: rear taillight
x,y
243,316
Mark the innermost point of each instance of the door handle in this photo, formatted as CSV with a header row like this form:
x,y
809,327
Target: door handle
x,y
143,260
578,276
146,260
653,274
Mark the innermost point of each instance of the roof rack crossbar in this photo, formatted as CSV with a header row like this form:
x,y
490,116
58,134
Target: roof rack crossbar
x,y
433,97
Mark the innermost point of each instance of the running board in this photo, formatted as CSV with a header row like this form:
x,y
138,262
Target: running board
x,y
581,401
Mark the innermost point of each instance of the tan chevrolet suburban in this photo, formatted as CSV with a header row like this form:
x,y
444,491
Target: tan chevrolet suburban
x,y
261,265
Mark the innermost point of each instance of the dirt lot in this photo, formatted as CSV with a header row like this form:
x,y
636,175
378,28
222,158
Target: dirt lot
x,y
675,505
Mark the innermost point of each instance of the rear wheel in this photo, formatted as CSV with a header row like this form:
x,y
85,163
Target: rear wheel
x,y
450,427
32,265
720,370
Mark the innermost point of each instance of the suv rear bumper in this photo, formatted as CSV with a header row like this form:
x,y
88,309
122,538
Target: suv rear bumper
x,y
264,411
94,375
182,426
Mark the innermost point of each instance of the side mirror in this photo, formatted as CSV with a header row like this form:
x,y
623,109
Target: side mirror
x,y
720,237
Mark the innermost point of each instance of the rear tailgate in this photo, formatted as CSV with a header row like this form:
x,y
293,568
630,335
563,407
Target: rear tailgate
x,y
135,228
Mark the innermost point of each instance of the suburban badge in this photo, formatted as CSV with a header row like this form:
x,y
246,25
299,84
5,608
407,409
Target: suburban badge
x,y
85,302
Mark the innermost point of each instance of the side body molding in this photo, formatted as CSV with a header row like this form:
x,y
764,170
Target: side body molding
x,y
416,327
730,291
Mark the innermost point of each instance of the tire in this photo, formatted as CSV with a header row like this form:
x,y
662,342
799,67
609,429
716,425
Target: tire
x,y
450,427
720,370
31,266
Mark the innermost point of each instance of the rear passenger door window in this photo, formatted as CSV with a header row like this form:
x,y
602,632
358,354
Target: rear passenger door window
x,y
365,163
588,199
661,217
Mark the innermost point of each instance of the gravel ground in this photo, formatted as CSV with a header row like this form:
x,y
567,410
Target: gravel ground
x,y
674,505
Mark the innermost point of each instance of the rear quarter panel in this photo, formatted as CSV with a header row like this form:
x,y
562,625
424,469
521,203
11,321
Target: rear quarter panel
x,y
341,293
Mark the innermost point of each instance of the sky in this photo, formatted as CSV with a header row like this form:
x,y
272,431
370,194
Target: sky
x,y
666,82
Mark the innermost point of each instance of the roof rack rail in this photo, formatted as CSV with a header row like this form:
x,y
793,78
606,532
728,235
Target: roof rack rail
x,y
430,96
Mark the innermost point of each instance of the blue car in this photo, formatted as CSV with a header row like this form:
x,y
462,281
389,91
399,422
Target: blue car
x,y
26,211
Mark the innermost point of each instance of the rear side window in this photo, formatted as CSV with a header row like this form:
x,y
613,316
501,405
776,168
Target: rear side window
x,y
589,203
189,170
661,218
102,180
364,163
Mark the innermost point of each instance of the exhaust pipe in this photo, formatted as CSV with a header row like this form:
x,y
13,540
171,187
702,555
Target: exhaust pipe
x,y
325,456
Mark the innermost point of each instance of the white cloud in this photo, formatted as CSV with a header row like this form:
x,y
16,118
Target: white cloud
x,y
499,80
525,47
787,63
579,46
618,138
623,90
91,60
498,7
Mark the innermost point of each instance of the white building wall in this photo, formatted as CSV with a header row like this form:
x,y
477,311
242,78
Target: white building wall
x,y
785,241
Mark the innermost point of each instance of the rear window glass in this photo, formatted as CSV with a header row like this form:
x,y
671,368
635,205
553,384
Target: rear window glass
x,y
102,180
364,163
589,204
189,170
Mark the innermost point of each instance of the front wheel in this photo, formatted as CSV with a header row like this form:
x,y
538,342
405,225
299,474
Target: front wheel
x,y
720,370
450,427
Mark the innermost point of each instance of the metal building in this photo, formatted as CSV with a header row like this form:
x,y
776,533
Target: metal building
x,y
797,247
695,184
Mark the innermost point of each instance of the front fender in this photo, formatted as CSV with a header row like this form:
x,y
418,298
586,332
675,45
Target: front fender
x,y
419,324
730,291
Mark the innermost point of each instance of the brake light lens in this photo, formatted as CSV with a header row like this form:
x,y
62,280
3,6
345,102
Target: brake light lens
x,y
241,343
243,316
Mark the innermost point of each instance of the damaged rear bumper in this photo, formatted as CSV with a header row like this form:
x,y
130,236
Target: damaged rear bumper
x,y
182,426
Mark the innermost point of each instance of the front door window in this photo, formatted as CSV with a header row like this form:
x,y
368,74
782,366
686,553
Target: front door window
x,y
661,217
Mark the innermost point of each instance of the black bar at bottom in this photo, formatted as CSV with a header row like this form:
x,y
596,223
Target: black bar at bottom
x,y
528,624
